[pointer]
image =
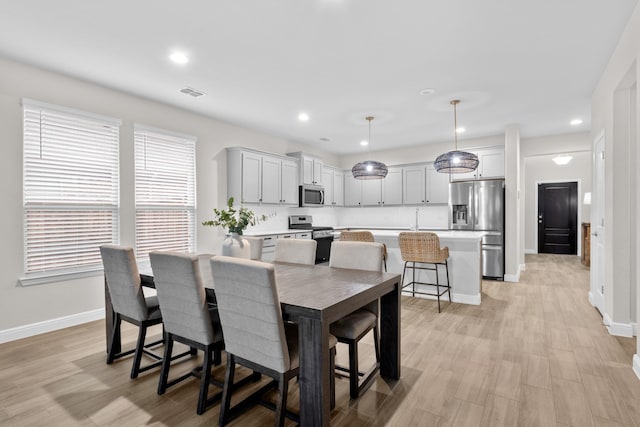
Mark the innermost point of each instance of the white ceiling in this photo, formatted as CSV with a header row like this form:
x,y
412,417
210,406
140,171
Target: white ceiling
x,y
262,62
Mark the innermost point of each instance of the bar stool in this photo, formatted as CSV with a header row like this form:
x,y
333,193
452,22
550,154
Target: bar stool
x,y
424,248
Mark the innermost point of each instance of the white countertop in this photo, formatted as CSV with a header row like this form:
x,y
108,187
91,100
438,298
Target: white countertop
x,y
442,234
272,232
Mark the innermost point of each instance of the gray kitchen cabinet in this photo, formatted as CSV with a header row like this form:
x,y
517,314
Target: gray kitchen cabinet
x,y
490,165
352,190
261,178
333,182
422,185
382,192
437,186
310,168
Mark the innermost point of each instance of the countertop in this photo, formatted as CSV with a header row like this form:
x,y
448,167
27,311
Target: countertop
x,y
272,232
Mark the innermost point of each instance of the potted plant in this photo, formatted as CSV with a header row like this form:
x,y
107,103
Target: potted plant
x,y
235,221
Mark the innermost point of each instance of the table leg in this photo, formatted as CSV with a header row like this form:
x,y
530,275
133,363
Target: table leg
x,y
109,317
315,388
390,334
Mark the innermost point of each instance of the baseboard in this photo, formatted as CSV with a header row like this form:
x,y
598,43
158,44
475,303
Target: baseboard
x,y
621,329
606,320
591,300
515,278
459,298
634,329
530,251
636,364
38,328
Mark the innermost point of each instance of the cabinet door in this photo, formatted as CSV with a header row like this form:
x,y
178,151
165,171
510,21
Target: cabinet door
x,y
327,179
338,188
251,177
307,170
271,176
372,192
289,183
392,187
437,186
318,167
491,164
413,185
352,191
468,175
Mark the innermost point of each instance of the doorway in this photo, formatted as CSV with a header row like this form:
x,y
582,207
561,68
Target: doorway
x,y
558,218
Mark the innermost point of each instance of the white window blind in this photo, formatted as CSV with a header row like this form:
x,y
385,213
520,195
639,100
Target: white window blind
x,y
165,192
70,189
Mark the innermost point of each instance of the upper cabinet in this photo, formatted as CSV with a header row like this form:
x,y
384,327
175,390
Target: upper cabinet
x,y
310,170
491,165
333,181
254,177
423,185
374,192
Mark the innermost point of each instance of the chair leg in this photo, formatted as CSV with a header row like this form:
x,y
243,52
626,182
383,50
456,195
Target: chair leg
x,y
115,332
376,343
446,266
414,279
384,260
204,380
353,369
166,363
139,350
226,389
332,376
437,286
281,407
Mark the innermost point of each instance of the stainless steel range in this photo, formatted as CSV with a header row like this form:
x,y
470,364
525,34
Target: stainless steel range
x,y
322,235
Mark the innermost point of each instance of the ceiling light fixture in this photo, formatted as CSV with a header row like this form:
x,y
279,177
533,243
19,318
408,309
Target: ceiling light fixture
x,y
303,117
179,58
364,143
562,159
456,161
369,169
575,122
461,130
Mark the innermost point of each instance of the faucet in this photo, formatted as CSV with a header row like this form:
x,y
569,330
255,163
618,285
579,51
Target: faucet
x,y
417,217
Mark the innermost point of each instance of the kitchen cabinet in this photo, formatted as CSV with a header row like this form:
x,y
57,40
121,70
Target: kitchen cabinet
x,y
491,165
375,192
333,181
310,168
261,178
422,185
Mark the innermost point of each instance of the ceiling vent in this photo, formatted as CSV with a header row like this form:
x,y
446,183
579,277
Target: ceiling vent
x,y
191,92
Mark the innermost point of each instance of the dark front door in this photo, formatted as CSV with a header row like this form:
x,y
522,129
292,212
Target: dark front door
x,y
557,218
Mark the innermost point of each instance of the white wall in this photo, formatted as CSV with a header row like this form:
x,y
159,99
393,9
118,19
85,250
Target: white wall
x,y
26,305
619,121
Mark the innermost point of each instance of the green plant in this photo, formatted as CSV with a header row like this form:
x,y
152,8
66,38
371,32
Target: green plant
x,y
234,220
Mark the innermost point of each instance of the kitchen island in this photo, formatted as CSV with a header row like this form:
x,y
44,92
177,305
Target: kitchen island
x,y
465,263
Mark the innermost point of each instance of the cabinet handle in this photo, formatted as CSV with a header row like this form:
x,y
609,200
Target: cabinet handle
x,y
423,201
427,201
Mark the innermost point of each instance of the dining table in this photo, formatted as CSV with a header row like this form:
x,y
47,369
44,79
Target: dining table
x,y
314,297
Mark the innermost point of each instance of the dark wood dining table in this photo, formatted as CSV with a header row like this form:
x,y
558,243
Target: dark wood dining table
x,y
314,297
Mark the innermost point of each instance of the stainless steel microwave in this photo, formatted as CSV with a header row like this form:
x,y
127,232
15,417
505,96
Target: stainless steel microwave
x,y
311,195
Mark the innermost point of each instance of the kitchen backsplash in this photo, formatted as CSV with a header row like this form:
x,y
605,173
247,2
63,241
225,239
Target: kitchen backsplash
x,y
389,216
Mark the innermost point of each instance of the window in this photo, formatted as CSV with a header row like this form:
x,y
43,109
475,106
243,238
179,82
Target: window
x,y
165,192
70,190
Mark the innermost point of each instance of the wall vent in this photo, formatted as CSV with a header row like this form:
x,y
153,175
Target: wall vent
x,y
191,92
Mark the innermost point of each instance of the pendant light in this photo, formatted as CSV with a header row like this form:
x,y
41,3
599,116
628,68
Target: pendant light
x,y
369,169
456,161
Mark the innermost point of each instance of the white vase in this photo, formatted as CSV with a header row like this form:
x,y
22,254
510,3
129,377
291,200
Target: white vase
x,y
236,246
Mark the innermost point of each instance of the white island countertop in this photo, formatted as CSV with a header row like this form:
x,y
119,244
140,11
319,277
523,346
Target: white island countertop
x,y
443,234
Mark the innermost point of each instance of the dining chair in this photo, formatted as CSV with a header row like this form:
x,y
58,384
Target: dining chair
x,y
255,334
296,251
188,319
129,304
424,248
353,327
363,236
256,244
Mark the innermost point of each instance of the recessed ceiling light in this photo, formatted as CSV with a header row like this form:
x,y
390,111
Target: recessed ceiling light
x,y
460,130
427,91
179,58
303,117
562,160
364,143
575,122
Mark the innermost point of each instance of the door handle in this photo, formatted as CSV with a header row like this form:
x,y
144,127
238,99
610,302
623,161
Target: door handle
x,y
594,234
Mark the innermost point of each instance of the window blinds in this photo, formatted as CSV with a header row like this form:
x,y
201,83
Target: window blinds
x,y
70,189
165,192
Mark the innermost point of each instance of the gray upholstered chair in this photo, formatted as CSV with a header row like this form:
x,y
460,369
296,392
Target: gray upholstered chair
x,y
255,334
353,327
187,319
129,304
296,251
256,244
363,236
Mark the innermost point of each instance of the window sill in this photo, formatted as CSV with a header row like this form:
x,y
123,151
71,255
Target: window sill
x,y
52,278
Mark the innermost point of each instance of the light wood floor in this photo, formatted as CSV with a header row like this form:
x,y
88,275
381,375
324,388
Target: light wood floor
x,y
534,353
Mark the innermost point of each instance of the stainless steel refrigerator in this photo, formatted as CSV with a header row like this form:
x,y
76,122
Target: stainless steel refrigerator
x,y
479,206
